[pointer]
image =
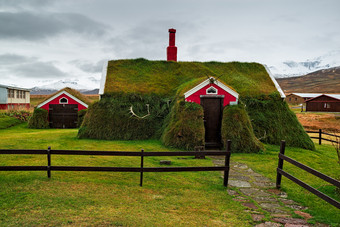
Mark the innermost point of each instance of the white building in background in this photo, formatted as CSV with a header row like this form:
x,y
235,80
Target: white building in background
x,y
14,98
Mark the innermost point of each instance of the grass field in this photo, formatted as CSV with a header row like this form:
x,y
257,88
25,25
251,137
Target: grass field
x,y
166,199
78,198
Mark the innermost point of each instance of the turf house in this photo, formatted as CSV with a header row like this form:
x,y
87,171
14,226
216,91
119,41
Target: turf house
x,y
188,104
62,109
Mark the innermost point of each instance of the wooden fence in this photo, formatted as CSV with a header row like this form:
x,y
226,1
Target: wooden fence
x,y
320,138
49,167
281,172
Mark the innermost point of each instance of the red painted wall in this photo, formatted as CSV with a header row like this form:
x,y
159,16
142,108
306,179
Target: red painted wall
x,y
70,101
15,106
171,50
203,91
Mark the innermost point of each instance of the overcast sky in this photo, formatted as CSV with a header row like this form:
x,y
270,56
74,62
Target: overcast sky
x,y
43,40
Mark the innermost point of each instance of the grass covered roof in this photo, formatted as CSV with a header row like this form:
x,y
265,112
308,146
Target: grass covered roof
x,y
166,78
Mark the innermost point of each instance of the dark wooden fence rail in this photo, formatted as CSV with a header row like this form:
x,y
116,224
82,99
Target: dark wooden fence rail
x,y
320,138
49,152
281,172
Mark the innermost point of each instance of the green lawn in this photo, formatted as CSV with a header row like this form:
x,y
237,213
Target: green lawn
x,y
7,121
166,199
93,198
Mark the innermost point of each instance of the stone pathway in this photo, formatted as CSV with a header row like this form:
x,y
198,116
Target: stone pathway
x,y
268,206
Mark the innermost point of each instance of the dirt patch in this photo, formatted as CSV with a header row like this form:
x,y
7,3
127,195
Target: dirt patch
x,y
327,121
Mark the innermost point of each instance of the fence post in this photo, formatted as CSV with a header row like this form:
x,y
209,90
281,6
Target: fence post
x,y
320,136
280,165
141,166
49,162
226,163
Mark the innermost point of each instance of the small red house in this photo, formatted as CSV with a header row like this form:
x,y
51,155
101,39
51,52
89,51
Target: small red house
x,y
324,103
213,95
63,107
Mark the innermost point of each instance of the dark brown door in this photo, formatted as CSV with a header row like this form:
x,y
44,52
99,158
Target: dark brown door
x,y
63,115
212,120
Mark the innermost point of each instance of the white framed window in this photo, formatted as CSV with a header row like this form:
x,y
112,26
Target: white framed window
x,y
211,91
327,105
63,100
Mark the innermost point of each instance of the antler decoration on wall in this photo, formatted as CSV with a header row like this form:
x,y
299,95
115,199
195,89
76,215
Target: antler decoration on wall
x,y
133,113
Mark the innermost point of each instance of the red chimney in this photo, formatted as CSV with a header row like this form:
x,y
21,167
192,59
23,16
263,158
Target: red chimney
x,y
171,51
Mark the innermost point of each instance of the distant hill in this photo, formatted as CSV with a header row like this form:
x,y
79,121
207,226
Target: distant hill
x,y
322,81
38,91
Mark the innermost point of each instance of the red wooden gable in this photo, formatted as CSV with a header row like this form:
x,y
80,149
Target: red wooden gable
x,y
63,98
206,88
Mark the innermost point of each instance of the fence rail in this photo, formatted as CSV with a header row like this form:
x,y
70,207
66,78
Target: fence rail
x,y
281,172
320,138
49,152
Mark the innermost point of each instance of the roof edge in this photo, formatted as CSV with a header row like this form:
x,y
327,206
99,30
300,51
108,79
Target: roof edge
x,y
103,78
277,86
60,93
206,82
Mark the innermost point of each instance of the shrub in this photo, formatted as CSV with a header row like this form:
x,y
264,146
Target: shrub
x,y
39,119
185,128
22,115
236,127
273,121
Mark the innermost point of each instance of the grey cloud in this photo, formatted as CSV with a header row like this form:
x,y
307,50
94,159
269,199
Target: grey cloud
x,y
30,26
149,39
29,67
24,4
38,70
89,66
10,59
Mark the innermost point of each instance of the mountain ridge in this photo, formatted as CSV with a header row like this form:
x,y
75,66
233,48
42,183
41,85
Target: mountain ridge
x,y
321,81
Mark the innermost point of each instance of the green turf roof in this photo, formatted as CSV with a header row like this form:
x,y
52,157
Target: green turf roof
x,y
166,78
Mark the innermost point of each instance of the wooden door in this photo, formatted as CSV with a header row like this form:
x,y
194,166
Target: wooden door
x,y
212,120
63,115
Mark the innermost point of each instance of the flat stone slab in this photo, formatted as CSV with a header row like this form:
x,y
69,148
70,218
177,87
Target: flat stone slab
x,y
270,205
264,184
264,199
296,207
294,221
239,183
249,191
240,177
268,224
250,205
257,217
303,214
232,192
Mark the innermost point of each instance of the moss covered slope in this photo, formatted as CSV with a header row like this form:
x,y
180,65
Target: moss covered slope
x,y
163,78
236,127
273,121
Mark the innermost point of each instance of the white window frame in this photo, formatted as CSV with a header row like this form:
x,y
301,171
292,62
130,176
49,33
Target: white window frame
x,y
63,102
206,91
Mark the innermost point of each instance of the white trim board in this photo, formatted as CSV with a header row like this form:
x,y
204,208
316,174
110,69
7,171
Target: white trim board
x,y
60,93
277,86
205,83
103,78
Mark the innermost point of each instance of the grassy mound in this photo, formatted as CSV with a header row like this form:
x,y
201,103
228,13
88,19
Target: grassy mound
x,y
7,121
236,127
39,119
163,78
113,119
273,121
185,128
